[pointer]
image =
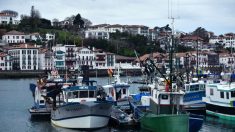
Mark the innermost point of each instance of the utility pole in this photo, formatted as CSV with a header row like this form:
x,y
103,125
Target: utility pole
x,y
197,58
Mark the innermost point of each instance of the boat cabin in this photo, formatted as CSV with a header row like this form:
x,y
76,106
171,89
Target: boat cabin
x,y
197,86
167,98
117,92
81,93
221,93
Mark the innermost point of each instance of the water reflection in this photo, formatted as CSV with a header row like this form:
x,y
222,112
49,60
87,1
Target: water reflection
x,y
213,124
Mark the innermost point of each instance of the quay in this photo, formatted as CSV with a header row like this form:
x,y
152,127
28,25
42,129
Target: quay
x,y
38,73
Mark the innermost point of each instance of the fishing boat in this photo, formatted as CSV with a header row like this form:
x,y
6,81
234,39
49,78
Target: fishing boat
x,y
118,92
194,91
84,107
43,104
220,100
163,110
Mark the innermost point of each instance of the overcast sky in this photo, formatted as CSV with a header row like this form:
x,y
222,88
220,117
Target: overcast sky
x,y
213,15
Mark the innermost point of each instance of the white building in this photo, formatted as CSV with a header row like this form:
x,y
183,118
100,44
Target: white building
x,y
85,56
14,37
114,28
226,60
33,37
45,60
228,40
50,36
97,32
25,57
5,61
70,54
103,31
8,17
59,59
137,29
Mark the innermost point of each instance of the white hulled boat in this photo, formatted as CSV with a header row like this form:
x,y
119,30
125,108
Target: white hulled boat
x,y
118,92
220,100
82,109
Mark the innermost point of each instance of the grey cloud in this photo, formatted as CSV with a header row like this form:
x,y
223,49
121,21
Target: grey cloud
x,y
216,15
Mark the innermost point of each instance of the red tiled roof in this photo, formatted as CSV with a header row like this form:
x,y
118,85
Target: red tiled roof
x,y
2,54
194,38
14,32
119,57
24,46
114,26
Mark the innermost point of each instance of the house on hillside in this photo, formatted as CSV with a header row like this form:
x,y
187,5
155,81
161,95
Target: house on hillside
x,y
5,61
8,17
14,37
33,37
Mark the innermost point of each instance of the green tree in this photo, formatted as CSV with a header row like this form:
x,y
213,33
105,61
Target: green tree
x,y
34,18
78,22
201,32
44,23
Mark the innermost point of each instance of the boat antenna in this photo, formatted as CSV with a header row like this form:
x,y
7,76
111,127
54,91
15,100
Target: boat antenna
x,y
172,43
141,63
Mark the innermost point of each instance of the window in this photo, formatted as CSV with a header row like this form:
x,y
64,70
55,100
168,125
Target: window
x,y
165,97
91,94
41,101
23,51
124,91
232,94
194,87
202,86
17,37
70,95
29,51
211,92
187,88
34,52
75,94
221,94
227,95
83,94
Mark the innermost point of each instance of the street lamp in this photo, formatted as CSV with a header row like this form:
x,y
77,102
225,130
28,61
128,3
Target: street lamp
x,y
187,66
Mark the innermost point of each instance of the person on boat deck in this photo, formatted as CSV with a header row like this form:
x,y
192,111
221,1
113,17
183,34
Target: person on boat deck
x,y
118,95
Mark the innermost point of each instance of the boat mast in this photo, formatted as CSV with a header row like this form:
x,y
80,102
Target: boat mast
x,y
172,48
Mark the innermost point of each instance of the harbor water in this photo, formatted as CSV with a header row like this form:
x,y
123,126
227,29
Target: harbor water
x,y
16,98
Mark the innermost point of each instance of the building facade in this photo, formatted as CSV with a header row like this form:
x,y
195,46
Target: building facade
x,y
14,37
8,17
85,56
25,57
5,61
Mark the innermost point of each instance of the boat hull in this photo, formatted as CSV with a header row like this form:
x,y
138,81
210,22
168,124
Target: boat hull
x,y
40,112
88,115
193,102
227,113
195,122
165,123
87,122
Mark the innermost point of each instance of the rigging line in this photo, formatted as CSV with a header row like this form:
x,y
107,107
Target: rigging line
x,y
177,9
171,8
168,9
